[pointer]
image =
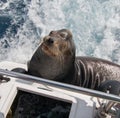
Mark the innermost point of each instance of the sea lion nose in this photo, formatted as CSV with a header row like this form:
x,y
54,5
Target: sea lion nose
x,y
50,40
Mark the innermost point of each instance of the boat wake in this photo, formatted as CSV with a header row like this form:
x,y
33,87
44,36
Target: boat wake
x,y
95,26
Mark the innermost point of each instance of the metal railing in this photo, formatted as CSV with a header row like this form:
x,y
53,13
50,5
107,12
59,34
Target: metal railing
x,y
61,85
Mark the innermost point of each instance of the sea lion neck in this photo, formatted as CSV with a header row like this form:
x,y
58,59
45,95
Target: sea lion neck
x,y
53,68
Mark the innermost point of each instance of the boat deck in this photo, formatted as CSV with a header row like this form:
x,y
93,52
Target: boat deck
x,y
82,105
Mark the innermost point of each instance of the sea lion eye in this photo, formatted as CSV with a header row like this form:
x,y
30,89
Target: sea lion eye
x,y
52,32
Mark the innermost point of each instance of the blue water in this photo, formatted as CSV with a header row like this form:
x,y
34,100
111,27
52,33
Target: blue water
x,y
95,25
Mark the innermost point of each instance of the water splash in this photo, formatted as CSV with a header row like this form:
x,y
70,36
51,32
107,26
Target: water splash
x,y
95,25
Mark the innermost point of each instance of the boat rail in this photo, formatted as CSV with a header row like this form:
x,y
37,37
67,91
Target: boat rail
x,y
61,85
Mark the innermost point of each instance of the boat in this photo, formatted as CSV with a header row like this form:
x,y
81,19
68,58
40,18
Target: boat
x,y
25,95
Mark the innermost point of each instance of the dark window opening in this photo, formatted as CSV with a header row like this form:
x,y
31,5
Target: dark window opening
x,y
29,105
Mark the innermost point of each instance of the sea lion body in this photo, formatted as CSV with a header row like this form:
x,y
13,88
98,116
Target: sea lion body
x,y
55,60
90,72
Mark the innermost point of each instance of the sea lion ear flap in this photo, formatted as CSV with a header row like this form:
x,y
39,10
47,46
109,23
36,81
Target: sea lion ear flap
x,y
69,35
72,45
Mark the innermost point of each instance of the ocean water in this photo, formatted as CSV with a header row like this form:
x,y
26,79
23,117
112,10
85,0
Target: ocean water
x,y
95,25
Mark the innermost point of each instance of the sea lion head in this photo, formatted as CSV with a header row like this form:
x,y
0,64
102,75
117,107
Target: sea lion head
x,y
55,56
58,43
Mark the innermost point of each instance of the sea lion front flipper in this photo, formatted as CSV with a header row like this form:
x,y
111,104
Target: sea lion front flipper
x,y
111,86
20,70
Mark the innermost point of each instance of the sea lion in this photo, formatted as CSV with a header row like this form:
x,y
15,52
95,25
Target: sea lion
x,y
55,60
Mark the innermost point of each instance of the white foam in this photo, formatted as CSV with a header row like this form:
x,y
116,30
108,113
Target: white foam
x,y
4,5
94,25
